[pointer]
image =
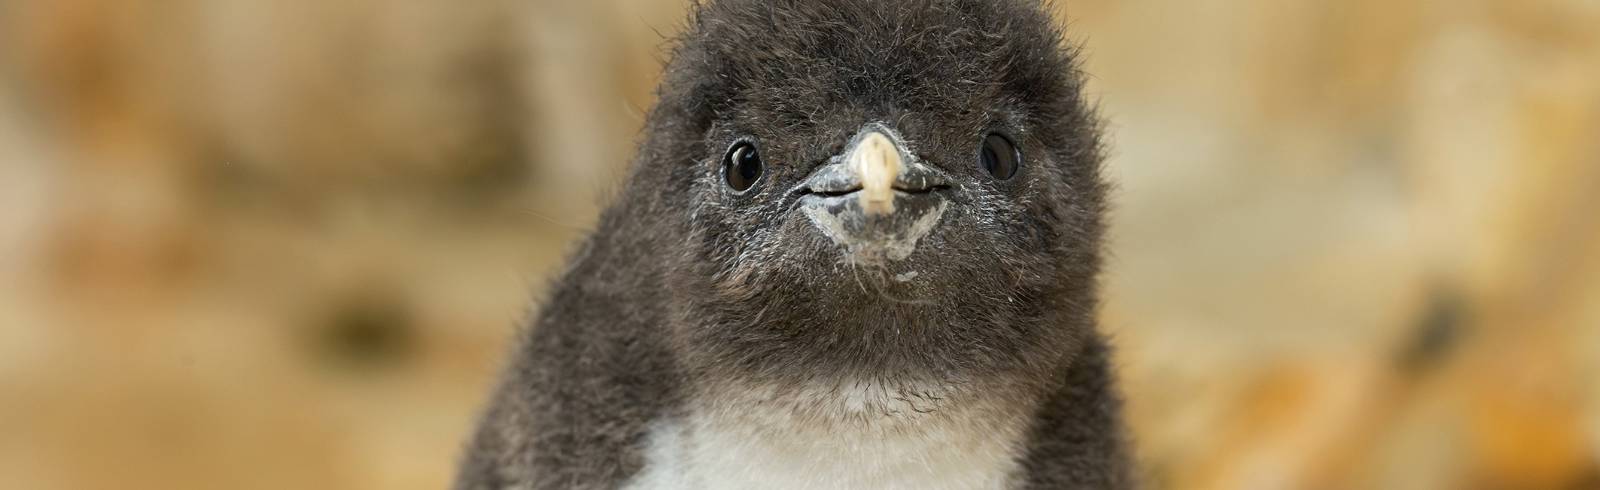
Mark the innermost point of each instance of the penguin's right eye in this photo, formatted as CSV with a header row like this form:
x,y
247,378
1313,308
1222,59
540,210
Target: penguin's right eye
x,y
742,166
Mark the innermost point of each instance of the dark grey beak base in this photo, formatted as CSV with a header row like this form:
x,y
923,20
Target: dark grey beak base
x,y
831,199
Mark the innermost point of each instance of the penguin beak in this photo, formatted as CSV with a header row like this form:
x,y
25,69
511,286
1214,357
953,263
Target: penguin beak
x,y
875,199
875,161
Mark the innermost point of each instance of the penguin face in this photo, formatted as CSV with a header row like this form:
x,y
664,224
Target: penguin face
x,y
909,183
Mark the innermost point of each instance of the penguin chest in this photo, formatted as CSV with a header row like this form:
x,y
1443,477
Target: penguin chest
x,y
750,450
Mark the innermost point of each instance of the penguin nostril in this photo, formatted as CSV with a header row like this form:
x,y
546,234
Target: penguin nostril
x,y
922,189
921,179
830,193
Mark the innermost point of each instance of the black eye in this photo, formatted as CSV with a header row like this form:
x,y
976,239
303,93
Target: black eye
x,y
742,166
999,157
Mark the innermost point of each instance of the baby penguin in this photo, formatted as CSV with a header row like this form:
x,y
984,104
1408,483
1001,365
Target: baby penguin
x,y
858,249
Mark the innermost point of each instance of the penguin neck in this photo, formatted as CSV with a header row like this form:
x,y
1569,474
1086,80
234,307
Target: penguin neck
x,y
862,405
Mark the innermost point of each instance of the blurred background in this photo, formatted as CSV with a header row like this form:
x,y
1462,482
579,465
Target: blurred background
x,y
253,244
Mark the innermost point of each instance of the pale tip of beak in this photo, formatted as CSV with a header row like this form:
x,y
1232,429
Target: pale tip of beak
x,y
876,160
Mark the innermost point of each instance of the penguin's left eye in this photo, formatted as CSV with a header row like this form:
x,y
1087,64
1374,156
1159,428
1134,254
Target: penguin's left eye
x,y
742,166
999,157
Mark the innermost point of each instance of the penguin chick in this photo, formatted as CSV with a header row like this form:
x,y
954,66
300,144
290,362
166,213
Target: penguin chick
x,y
858,248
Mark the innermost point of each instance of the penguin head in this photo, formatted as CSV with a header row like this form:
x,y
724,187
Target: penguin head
x,y
872,186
